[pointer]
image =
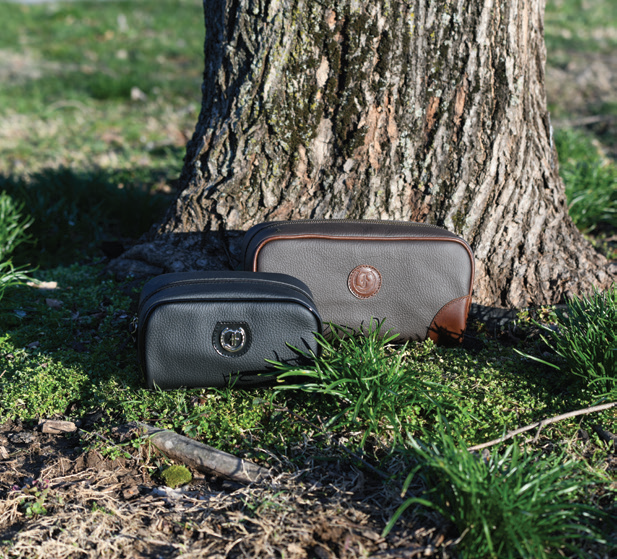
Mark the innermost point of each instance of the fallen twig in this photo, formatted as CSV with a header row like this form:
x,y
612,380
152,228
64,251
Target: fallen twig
x,y
585,120
203,457
543,423
605,435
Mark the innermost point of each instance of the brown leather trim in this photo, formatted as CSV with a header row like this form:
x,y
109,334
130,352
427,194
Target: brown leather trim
x,y
389,239
449,323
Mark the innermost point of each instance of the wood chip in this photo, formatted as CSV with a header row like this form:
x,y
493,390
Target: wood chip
x,y
56,427
43,284
4,453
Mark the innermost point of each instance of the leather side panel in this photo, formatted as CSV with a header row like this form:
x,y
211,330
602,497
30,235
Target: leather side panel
x,y
418,277
178,346
449,323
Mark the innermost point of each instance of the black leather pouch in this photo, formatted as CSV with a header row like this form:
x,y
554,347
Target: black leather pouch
x,y
215,329
417,277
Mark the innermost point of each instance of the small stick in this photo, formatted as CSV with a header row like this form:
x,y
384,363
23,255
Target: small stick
x,y
583,121
606,436
543,423
203,457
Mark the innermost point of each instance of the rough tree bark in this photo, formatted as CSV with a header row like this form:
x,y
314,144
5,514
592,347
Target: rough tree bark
x,y
424,110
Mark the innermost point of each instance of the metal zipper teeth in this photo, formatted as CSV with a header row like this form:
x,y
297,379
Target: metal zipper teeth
x,y
208,281
291,223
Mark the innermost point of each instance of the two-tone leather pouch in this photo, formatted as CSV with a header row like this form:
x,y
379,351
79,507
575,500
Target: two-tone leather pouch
x,y
214,329
417,277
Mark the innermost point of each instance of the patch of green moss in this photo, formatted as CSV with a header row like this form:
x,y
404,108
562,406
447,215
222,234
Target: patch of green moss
x,y
175,476
459,221
384,53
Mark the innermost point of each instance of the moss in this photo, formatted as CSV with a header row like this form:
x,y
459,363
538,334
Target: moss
x,y
459,221
333,50
175,476
358,28
384,54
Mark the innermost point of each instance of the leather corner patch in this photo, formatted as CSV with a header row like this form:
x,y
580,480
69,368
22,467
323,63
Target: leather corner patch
x,y
449,323
364,281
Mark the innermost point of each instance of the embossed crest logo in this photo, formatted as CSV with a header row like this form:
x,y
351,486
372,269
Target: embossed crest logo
x,y
231,339
364,281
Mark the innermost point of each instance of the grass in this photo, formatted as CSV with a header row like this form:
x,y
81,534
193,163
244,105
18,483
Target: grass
x,y
585,337
115,86
73,214
13,225
508,504
68,352
580,26
372,388
590,179
97,104
580,35
103,53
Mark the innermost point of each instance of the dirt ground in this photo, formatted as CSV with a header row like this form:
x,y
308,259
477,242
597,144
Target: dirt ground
x,y
97,507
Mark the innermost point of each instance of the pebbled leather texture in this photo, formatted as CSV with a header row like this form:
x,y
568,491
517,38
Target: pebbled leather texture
x,y
214,329
421,268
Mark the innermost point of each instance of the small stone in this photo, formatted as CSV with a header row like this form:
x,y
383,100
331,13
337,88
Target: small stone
x,y
130,492
137,94
54,303
23,437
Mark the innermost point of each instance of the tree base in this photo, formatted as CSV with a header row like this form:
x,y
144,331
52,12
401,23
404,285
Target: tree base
x,y
551,280
179,252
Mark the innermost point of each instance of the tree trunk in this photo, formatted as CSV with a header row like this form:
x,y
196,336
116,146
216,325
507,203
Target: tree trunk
x,y
422,110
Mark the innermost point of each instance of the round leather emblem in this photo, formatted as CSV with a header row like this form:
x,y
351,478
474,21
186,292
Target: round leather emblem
x,y
364,281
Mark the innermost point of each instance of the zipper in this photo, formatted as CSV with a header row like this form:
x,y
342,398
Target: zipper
x,y
371,221
215,280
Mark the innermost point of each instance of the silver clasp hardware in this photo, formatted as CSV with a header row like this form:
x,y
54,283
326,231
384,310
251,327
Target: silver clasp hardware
x,y
233,339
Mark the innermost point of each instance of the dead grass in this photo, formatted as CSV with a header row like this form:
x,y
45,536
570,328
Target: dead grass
x,y
69,135
323,511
